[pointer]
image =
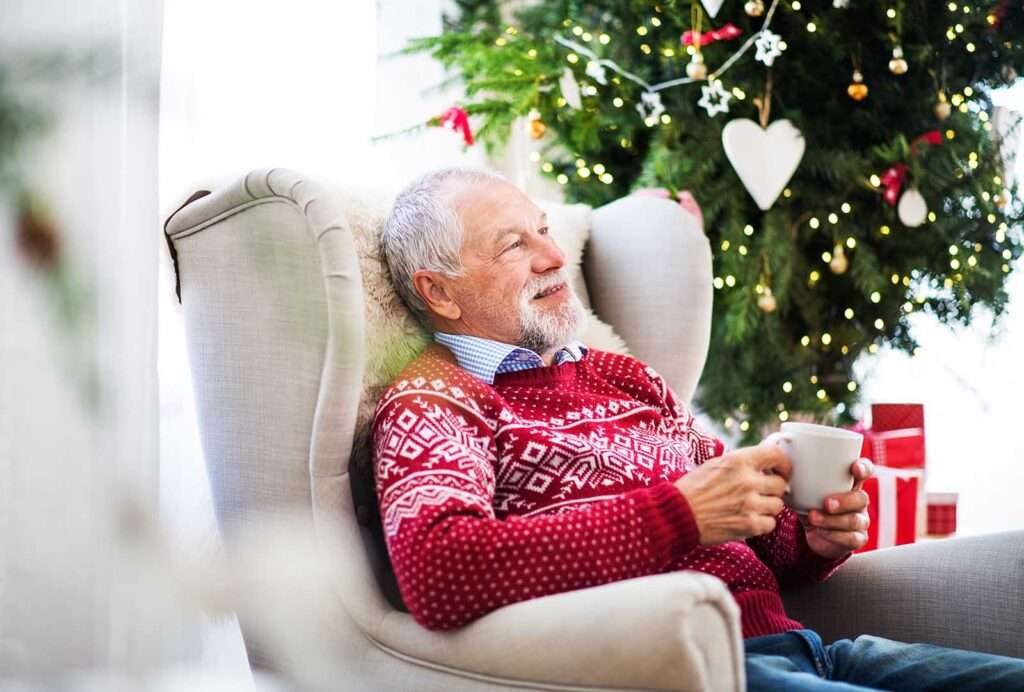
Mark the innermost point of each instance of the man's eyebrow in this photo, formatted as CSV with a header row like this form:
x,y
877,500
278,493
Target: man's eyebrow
x,y
502,231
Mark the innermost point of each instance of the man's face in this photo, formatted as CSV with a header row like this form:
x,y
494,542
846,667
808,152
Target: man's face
x,y
514,289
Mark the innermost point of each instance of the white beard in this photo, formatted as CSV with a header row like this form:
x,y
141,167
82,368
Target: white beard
x,y
542,331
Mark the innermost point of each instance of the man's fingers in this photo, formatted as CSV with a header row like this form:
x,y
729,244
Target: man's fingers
x,y
769,505
856,521
772,458
763,525
853,501
850,540
770,484
862,469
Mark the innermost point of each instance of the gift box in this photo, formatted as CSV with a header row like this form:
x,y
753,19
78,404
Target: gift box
x,y
896,436
902,448
942,513
886,417
893,507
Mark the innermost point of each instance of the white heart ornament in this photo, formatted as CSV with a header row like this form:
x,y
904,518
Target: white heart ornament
x,y
712,6
912,209
764,159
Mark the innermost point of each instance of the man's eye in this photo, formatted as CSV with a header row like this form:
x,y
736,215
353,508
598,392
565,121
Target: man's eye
x,y
543,231
514,245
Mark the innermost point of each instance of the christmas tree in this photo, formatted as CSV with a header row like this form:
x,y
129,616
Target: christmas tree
x,y
844,154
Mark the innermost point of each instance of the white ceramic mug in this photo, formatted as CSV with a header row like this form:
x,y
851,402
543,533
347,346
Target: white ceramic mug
x,y
821,457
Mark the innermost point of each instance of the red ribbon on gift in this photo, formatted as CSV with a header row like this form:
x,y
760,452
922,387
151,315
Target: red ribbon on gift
x,y
726,33
457,119
892,179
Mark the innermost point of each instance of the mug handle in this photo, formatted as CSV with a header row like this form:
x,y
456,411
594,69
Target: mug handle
x,y
776,438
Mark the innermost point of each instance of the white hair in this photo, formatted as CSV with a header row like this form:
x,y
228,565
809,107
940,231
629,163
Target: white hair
x,y
423,231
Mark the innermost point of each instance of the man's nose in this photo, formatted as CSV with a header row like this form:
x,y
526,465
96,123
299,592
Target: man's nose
x,y
549,256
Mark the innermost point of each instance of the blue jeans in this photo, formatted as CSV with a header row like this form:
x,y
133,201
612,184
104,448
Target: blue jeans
x,y
798,660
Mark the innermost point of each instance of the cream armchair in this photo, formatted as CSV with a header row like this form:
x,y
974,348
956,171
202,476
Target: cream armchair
x,y
274,313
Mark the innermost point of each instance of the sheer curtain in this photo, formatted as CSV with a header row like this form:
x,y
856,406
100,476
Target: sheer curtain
x,y
78,387
305,86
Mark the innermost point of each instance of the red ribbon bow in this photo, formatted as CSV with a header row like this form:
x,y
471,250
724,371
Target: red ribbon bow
x,y
457,119
893,178
933,137
726,33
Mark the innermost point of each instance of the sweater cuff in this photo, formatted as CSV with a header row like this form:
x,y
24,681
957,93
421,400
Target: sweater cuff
x,y
668,521
814,566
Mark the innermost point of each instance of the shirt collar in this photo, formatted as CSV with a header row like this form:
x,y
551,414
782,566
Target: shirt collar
x,y
486,358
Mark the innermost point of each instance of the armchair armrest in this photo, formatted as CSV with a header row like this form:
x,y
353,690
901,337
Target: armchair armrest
x,y
674,631
966,593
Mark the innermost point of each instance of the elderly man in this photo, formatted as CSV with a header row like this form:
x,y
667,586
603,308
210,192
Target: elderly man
x,y
513,462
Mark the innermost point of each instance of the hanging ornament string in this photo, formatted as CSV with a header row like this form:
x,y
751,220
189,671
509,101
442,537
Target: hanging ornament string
x,y
696,15
764,103
766,301
611,65
696,69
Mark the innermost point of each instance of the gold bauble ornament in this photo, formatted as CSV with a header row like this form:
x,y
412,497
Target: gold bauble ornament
x,y
767,301
535,127
839,263
696,69
898,65
857,90
754,8
942,107
1001,200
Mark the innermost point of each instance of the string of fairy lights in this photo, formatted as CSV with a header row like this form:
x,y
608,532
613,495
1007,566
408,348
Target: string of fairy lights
x,y
961,258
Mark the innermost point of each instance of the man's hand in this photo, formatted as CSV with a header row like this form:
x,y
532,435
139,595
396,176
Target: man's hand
x,y
737,495
843,525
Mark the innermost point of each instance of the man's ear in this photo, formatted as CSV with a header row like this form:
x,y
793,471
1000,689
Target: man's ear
x,y
433,288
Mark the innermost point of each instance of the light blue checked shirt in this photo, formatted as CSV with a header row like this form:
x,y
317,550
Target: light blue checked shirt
x,y
485,358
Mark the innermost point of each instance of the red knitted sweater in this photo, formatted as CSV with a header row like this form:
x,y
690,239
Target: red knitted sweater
x,y
554,479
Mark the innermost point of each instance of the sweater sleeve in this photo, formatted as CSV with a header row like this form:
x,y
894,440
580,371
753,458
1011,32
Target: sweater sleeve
x,y
784,550
787,554
455,561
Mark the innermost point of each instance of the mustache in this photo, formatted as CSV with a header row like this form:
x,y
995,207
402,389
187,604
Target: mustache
x,y
544,283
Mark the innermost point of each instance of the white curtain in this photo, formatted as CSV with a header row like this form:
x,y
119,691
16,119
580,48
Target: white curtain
x,y
70,453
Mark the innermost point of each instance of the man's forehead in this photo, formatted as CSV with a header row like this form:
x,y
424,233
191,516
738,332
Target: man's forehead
x,y
492,209
516,222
